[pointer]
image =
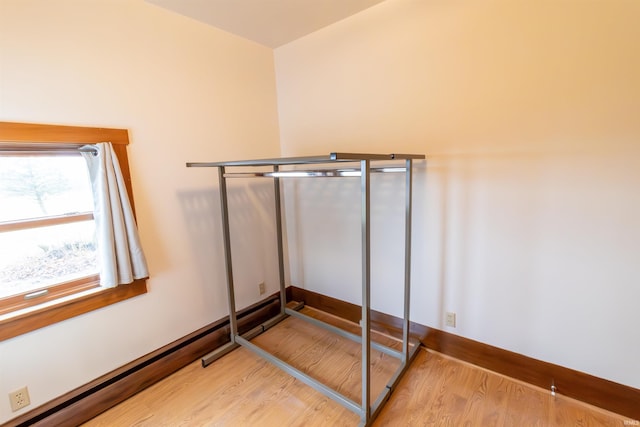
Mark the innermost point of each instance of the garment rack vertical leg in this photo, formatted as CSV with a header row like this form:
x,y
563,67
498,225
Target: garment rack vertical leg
x,y
365,182
407,260
276,192
233,321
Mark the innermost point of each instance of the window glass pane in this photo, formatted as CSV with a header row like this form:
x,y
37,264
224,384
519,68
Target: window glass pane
x,y
45,256
43,185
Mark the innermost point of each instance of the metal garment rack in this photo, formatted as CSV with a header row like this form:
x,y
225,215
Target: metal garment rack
x,y
333,167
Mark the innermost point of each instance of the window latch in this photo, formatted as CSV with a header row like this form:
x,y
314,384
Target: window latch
x,y
36,294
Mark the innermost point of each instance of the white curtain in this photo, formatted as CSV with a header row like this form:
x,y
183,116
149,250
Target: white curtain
x,y
120,256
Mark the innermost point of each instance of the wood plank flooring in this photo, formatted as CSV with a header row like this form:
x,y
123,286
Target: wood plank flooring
x,y
242,389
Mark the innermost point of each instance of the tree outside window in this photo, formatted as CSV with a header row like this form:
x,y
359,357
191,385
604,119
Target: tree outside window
x,y
33,190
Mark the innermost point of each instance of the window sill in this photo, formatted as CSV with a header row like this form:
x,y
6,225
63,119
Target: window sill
x,y
32,318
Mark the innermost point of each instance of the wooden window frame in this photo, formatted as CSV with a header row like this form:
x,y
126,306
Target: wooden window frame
x,y
53,311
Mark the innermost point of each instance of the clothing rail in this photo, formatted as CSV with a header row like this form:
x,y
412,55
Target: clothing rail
x,y
312,173
365,409
307,160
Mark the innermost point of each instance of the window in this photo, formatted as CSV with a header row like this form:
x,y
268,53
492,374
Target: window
x,y
47,246
47,251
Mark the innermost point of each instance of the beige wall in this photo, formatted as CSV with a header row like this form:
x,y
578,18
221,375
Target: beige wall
x,y
527,212
186,92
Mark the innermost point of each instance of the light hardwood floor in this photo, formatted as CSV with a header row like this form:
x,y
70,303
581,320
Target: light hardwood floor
x,y
242,389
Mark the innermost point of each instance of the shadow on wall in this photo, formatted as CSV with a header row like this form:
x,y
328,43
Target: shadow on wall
x,y
524,234
253,239
326,237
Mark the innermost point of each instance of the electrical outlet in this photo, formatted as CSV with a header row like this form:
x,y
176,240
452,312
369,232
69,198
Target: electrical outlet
x,y
262,288
19,399
451,319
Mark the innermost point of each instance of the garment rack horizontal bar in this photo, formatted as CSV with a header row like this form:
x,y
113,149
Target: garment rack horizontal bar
x,y
332,157
230,346
298,374
383,396
331,173
346,334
